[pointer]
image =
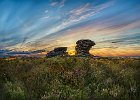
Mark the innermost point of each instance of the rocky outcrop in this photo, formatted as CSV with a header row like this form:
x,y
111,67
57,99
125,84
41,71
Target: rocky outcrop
x,y
83,46
82,49
57,51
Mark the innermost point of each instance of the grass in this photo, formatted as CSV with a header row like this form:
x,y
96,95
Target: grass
x,y
70,78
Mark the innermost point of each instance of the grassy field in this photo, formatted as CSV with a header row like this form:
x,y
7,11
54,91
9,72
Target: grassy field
x,y
70,78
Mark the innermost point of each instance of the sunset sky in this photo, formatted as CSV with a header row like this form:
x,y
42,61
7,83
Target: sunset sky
x,y
114,25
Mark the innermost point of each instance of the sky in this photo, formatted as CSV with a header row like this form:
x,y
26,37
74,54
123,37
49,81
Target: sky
x,y
29,25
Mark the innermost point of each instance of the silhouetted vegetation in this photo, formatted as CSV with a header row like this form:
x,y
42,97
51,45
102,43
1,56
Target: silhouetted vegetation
x,y
70,78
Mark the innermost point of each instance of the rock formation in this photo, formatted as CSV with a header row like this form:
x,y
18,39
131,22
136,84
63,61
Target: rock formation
x,y
57,51
83,46
82,49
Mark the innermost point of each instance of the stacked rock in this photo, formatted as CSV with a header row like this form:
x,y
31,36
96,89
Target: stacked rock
x,y
57,51
83,46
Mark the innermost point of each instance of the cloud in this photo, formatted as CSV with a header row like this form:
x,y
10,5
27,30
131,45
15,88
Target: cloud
x,y
75,16
45,17
54,3
62,3
126,38
7,53
46,11
81,13
80,10
116,41
36,29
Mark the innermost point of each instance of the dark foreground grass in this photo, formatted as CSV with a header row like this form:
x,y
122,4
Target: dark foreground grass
x,y
70,78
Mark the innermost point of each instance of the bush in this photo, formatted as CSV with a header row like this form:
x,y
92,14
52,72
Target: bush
x,y
13,91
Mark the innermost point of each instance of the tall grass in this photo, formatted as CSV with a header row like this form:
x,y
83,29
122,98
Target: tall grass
x,y
70,78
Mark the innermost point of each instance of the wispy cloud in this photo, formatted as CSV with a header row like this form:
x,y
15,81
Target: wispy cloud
x,y
46,11
60,3
45,17
80,10
77,15
54,3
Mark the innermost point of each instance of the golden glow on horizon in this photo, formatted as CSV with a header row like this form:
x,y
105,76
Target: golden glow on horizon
x,y
104,52
111,52
42,53
11,58
115,52
71,52
124,51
